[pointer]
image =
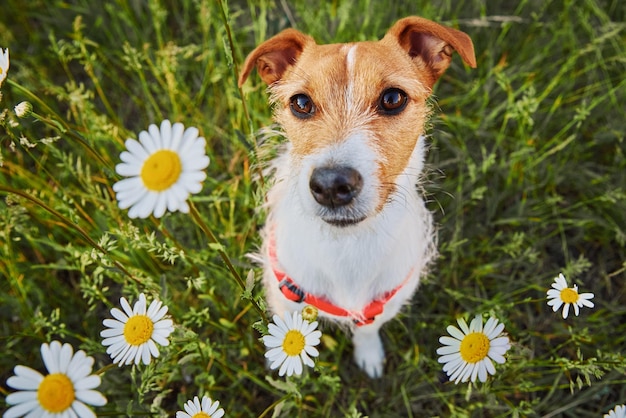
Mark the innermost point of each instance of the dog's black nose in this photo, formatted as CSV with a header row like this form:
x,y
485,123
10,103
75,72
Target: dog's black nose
x,y
335,186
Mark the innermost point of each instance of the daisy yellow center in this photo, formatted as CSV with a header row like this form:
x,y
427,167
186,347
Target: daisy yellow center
x,y
474,347
293,344
161,170
201,415
56,392
138,329
569,295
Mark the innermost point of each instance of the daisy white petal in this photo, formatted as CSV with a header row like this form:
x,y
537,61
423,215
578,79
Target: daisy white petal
x,y
190,136
191,182
25,378
482,370
128,310
477,324
80,366
128,168
455,332
177,199
127,355
490,326
49,354
111,332
448,349
152,347
22,396
88,382
135,148
445,340
451,363
154,306
65,392
566,310
23,408
468,355
271,341
183,207
165,134
129,199
130,185
143,208
311,351
147,141
617,412
4,64
159,206
161,337
308,361
177,136
198,163
463,325
192,148
81,410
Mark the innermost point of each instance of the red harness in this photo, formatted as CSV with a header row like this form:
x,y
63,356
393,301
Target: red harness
x,y
294,293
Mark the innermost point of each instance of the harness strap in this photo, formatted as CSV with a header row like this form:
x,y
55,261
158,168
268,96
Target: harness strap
x,y
294,293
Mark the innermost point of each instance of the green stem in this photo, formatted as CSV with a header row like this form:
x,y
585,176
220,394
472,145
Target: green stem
x,y
213,239
67,222
104,369
274,405
57,123
244,105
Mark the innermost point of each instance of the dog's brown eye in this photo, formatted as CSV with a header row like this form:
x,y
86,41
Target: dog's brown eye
x,y
392,101
302,106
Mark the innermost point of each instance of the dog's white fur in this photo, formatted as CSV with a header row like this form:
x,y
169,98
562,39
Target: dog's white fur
x,y
351,265
393,242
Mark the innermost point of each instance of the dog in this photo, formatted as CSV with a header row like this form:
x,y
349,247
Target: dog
x,y
347,230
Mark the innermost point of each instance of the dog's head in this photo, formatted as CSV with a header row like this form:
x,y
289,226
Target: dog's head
x,y
354,112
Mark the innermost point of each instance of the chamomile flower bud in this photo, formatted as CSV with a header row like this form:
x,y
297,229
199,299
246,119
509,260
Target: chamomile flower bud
x,y
4,64
309,313
23,109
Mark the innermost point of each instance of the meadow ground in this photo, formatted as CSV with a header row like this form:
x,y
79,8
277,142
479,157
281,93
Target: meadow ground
x,y
526,178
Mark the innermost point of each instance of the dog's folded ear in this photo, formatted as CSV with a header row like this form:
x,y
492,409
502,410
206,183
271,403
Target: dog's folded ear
x,y
432,43
274,56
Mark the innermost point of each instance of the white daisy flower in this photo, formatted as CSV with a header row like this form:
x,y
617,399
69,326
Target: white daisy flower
x,y
468,353
206,409
134,333
163,168
617,412
4,64
64,392
290,343
563,295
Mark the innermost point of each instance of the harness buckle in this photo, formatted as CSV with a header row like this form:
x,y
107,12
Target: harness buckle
x,y
291,291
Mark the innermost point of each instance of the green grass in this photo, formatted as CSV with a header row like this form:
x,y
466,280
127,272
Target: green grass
x,y
526,177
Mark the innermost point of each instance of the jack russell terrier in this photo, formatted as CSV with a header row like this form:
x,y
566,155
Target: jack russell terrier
x,y
347,231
